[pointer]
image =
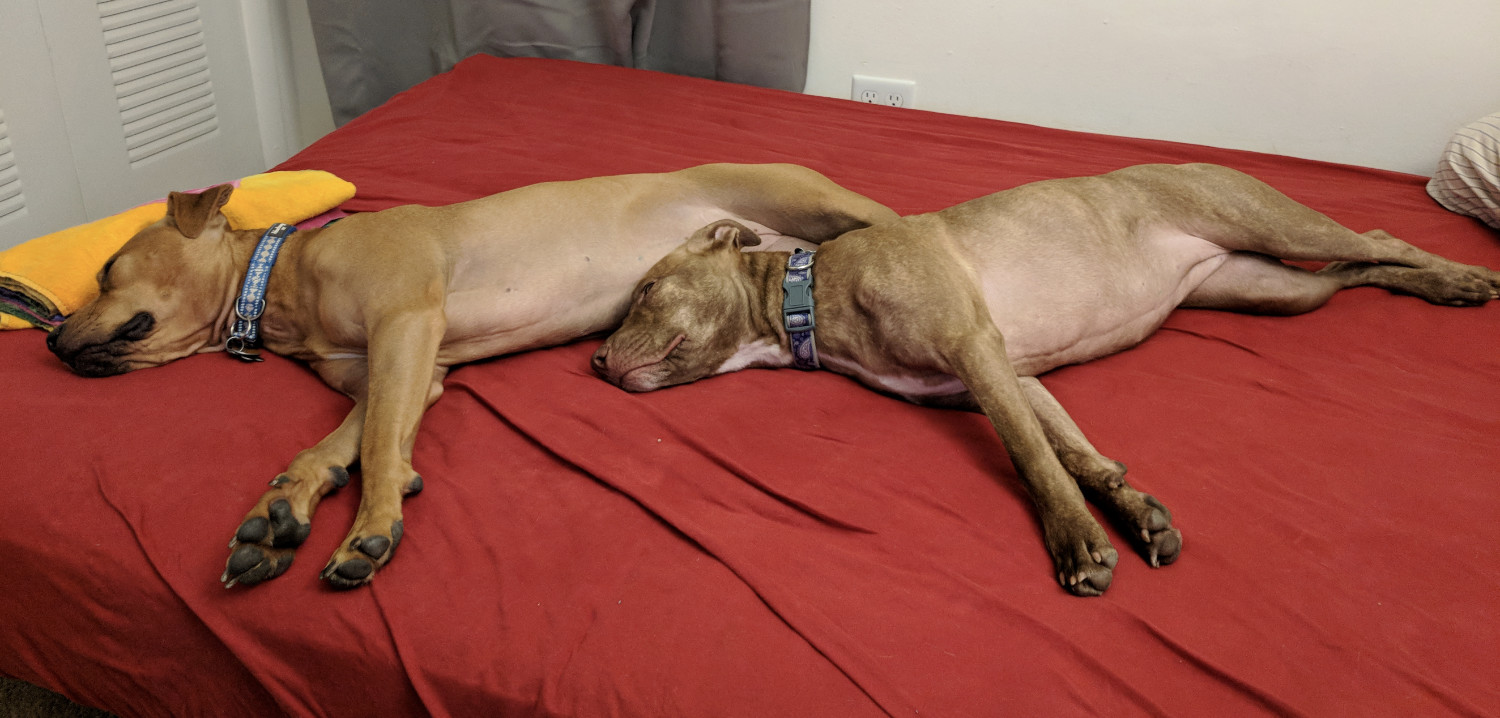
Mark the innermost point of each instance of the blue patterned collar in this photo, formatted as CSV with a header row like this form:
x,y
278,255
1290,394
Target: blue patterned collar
x,y
797,309
244,340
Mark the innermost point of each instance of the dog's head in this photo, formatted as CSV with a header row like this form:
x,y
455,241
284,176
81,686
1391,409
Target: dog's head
x,y
163,296
691,313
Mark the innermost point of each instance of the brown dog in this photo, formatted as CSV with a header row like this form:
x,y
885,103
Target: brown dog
x,y
382,304
965,306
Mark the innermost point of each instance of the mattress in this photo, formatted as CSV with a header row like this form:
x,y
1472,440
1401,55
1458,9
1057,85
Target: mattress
x,y
782,543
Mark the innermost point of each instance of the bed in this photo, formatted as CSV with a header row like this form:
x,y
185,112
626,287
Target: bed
x,y
782,543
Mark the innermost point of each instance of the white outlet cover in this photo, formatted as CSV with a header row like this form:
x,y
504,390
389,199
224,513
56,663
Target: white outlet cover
x,y
884,91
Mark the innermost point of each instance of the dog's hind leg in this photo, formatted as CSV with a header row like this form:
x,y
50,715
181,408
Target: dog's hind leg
x,y
1139,515
1243,214
1259,284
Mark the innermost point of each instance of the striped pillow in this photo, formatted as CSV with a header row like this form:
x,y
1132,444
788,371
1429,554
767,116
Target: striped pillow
x,y
1468,175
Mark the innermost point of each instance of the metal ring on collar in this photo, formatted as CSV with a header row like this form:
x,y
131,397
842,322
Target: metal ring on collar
x,y
260,308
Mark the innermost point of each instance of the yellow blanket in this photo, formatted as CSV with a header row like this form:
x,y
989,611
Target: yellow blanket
x,y
52,276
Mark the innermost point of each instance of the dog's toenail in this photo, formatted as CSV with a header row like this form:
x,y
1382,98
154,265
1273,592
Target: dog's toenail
x,y
375,546
339,476
253,530
244,558
355,569
280,481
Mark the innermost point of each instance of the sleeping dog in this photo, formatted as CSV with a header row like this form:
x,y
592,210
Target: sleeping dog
x,y
966,306
382,304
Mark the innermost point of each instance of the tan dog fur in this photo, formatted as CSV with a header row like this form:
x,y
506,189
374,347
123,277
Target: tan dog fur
x,y
382,304
964,307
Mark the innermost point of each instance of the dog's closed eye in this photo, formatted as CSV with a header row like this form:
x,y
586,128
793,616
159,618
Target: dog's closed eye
x,y
104,273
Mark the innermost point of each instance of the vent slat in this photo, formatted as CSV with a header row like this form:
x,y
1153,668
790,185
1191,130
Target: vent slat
x,y
151,26
154,128
196,57
13,207
164,102
149,150
146,13
126,88
144,42
162,91
128,60
170,114
12,200
108,8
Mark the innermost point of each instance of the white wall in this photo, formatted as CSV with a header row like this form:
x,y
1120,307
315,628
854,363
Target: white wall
x,y
1380,83
291,102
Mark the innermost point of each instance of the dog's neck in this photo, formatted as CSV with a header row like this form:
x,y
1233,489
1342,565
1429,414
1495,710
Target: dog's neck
x,y
835,324
278,330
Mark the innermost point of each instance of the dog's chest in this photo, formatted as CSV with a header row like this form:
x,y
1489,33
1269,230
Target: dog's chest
x,y
910,386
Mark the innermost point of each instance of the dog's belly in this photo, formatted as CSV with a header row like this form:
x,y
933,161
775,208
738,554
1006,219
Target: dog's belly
x,y
1065,308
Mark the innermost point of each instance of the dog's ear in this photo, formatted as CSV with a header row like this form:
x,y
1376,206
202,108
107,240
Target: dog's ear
x,y
192,212
723,234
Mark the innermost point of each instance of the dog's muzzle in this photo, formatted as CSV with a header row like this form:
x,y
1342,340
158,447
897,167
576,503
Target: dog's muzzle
x,y
104,358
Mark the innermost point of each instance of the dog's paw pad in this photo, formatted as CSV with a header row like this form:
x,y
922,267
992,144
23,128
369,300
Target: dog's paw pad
x,y
251,564
286,530
1160,517
373,546
254,530
349,574
413,488
1164,547
338,476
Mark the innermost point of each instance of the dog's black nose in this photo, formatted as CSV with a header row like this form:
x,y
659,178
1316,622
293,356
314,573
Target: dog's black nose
x,y
52,338
600,360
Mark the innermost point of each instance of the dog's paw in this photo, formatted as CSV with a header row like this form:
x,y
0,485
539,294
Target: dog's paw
x,y
356,562
1459,286
1146,521
1082,555
1156,539
263,544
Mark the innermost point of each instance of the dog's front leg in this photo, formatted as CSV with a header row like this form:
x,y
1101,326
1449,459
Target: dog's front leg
x,y
263,546
1143,518
1081,552
404,380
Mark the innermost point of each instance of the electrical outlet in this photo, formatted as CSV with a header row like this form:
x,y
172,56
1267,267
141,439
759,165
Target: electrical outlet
x,y
884,91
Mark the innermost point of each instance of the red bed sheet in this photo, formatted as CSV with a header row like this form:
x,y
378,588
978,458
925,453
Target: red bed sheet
x,y
779,543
